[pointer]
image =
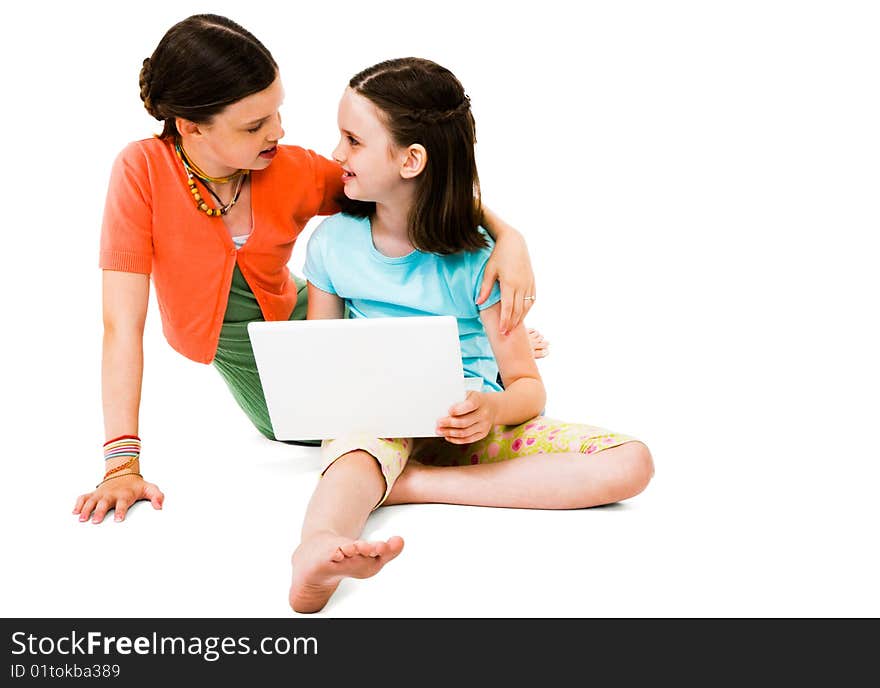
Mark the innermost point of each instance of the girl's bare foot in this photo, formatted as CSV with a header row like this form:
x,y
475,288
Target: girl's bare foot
x,y
324,559
540,346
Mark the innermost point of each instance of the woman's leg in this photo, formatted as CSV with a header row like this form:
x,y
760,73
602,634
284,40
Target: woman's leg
x,y
234,357
542,464
354,483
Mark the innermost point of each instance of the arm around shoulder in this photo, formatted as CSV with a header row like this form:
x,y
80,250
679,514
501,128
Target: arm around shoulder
x,y
511,266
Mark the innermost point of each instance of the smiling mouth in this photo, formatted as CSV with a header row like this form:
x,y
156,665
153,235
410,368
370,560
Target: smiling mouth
x,y
269,150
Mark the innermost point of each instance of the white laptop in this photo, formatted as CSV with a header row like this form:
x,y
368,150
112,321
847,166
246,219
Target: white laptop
x,y
388,377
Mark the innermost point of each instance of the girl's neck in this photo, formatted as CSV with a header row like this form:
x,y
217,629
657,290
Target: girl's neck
x,y
391,220
389,227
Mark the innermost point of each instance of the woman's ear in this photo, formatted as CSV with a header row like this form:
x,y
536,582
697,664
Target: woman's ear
x,y
187,128
415,161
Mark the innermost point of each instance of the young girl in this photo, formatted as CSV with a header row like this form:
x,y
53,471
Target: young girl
x,y
209,211
410,244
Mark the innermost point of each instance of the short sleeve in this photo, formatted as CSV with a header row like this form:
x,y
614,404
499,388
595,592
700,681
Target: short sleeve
x,y
328,177
127,227
481,258
315,267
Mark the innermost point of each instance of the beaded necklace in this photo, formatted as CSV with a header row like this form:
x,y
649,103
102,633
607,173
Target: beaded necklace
x,y
193,171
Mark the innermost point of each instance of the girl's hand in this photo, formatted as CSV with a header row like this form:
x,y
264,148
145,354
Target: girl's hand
x,y
469,421
511,266
118,494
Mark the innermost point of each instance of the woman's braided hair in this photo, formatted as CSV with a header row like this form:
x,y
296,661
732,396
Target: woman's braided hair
x,y
201,65
144,80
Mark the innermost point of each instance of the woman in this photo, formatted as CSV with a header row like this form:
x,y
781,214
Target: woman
x,y
210,210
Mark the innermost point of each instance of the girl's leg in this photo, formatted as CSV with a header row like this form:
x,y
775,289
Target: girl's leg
x,y
330,550
542,464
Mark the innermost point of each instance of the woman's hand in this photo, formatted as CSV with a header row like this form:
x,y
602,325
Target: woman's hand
x,y
469,421
118,494
511,266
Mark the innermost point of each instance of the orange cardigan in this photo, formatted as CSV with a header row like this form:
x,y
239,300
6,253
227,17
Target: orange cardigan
x,y
151,226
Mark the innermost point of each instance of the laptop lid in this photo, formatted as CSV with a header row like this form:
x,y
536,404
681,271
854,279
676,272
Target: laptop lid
x,y
387,377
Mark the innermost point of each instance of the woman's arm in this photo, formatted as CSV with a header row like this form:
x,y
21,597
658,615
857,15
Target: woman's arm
x,y
511,266
323,305
523,397
125,299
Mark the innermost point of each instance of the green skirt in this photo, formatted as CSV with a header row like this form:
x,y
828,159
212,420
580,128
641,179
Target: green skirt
x,y
235,356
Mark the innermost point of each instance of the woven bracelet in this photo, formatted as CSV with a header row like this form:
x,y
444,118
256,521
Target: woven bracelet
x,y
122,446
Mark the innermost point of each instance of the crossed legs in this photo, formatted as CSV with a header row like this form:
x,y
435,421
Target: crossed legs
x,y
355,483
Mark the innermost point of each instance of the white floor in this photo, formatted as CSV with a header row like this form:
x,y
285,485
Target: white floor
x,y
743,518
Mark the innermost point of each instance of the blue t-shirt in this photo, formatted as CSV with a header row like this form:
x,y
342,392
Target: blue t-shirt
x,y
341,259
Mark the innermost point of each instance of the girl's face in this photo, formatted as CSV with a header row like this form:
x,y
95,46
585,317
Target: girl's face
x,y
243,135
370,159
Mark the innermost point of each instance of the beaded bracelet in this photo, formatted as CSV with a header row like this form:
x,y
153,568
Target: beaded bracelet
x,y
118,476
120,467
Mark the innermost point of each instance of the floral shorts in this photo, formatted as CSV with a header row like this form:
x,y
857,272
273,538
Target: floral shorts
x,y
540,435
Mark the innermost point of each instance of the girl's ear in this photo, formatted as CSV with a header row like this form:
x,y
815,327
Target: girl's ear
x,y
415,161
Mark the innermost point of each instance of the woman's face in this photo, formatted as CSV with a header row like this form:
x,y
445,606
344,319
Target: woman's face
x,y
370,160
243,135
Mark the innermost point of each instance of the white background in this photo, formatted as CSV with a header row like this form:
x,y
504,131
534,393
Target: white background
x,y
697,183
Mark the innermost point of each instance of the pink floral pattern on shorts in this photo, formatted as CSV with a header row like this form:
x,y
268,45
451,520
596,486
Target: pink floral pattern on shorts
x,y
540,435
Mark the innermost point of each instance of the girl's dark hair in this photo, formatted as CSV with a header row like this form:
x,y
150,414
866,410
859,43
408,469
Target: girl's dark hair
x,y
201,65
422,102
